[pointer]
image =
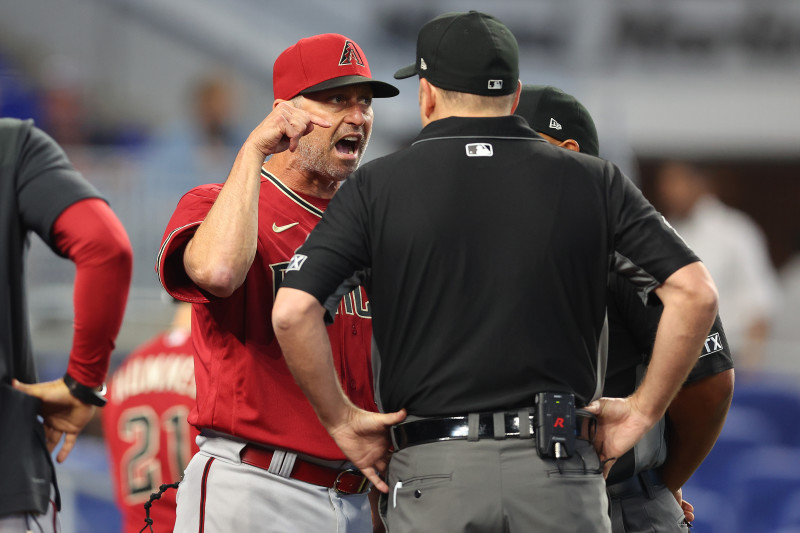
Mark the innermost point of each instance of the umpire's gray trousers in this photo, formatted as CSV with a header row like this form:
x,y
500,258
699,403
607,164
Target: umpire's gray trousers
x,y
651,508
494,486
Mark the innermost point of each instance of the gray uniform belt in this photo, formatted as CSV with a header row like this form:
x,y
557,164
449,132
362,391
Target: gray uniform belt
x,y
641,483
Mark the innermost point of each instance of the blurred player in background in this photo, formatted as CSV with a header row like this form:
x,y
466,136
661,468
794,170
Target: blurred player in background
x,y
735,250
149,439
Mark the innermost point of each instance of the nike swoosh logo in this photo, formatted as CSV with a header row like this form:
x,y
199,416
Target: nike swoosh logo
x,y
278,229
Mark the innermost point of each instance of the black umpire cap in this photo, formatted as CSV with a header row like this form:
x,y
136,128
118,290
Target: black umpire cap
x,y
551,111
466,52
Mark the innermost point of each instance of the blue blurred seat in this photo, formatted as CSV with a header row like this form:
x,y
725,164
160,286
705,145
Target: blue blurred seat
x,y
712,511
790,518
87,494
745,430
778,403
766,482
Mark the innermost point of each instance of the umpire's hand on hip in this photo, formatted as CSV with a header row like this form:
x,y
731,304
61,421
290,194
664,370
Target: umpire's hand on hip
x,y
620,425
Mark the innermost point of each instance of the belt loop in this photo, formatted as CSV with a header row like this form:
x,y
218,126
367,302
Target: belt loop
x,y
393,436
473,423
499,423
282,463
524,424
646,482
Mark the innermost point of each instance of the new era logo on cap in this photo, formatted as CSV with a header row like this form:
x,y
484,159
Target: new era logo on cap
x,y
554,124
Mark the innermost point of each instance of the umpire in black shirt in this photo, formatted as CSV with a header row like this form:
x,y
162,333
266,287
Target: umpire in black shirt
x,y
488,252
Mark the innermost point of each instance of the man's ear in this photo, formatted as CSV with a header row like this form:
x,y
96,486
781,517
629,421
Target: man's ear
x,y
516,97
570,144
427,98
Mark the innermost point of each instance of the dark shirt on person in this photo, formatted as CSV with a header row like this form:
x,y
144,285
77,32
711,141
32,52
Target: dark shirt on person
x,y
489,252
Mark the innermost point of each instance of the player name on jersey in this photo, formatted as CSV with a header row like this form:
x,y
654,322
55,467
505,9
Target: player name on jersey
x,y
158,373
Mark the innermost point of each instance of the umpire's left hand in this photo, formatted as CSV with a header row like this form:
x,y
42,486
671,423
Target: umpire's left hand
x,y
63,414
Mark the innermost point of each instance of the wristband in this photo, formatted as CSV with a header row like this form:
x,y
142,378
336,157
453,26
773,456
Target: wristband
x,y
86,394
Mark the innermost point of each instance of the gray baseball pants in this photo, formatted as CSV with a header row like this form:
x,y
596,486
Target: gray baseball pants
x,y
651,507
494,486
224,495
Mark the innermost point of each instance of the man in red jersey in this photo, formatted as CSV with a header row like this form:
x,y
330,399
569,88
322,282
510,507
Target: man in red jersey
x,y
144,422
41,192
263,453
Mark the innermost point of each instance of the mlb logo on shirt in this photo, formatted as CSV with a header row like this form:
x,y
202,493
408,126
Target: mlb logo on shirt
x,y
496,84
296,263
479,150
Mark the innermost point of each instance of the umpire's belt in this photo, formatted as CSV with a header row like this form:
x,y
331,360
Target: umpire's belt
x,y
489,425
643,483
345,481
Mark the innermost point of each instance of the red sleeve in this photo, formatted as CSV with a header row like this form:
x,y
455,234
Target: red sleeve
x,y
90,234
190,213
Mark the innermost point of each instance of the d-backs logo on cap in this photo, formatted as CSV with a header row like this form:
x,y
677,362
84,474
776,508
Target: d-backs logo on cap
x,y
350,55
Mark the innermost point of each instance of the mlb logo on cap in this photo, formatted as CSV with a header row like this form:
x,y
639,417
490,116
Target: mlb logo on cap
x,y
496,84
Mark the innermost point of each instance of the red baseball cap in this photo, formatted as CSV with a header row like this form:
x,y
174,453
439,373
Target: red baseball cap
x,y
324,62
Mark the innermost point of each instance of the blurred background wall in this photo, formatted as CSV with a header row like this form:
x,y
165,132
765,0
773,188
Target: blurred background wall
x,y
152,97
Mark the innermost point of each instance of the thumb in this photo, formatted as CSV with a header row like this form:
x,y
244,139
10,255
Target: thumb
x,y
595,407
20,386
391,419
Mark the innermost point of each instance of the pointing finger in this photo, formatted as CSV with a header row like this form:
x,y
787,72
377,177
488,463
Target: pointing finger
x,y
318,120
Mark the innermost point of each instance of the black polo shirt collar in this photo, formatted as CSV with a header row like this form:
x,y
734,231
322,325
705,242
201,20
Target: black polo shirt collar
x,y
505,127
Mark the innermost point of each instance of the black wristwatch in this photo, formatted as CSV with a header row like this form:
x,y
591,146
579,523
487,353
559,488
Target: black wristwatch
x,y
86,394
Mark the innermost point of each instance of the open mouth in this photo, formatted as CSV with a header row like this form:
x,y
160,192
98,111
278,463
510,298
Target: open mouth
x,y
348,145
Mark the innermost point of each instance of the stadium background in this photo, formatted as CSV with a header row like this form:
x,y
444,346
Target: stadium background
x,y
712,81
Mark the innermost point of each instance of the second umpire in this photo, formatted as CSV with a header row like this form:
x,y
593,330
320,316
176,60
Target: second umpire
x,y
644,485
489,254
